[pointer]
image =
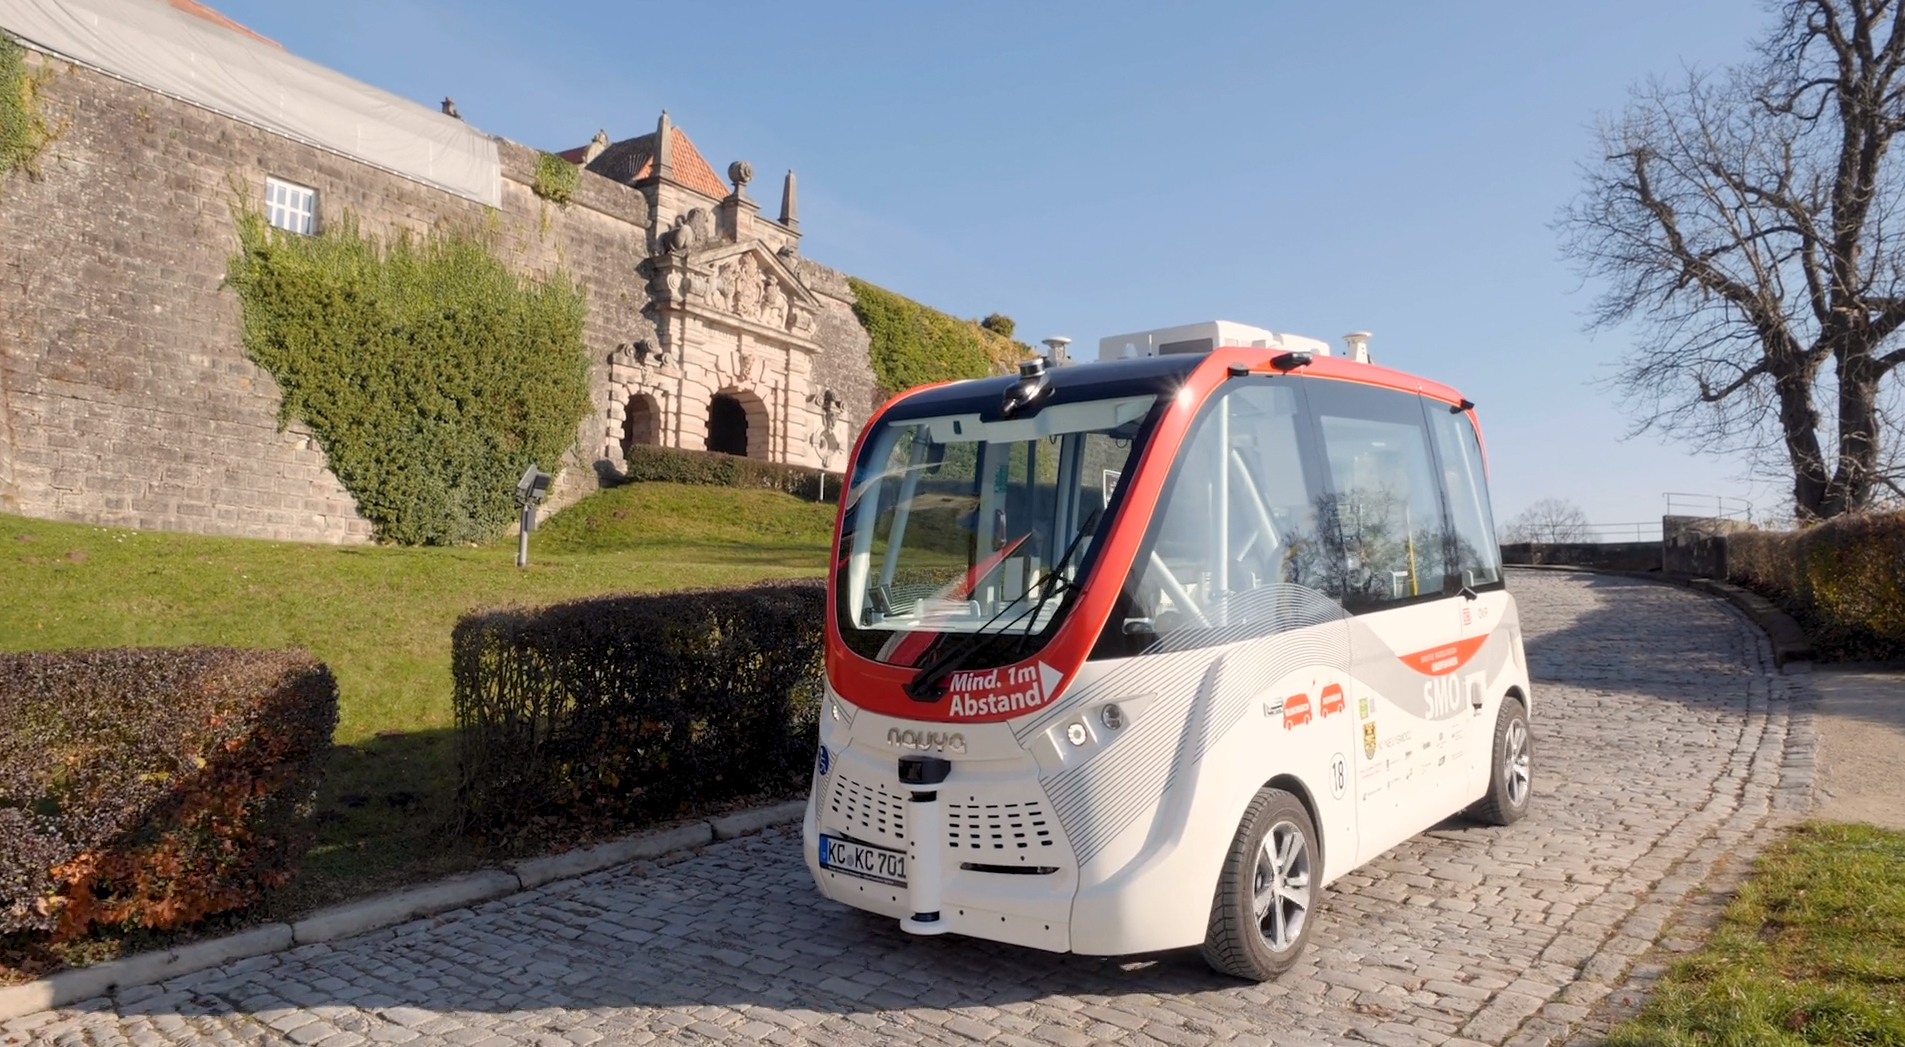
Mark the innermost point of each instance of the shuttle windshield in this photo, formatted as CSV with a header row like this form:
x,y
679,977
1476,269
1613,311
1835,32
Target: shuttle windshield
x,y
960,532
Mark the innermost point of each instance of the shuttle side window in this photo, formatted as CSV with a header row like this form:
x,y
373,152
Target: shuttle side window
x,y
1477,556
1237,527
1384,494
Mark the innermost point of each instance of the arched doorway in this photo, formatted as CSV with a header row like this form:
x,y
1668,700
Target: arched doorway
x,y
727,425
641,422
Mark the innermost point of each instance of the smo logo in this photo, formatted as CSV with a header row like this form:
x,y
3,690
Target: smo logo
x,y
928,741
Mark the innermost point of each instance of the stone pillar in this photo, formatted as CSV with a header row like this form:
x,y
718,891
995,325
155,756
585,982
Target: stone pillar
x,y
790,216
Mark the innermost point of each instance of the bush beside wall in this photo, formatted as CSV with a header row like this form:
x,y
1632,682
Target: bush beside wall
x,y
431,374
1843,579
915,345
153,787
629,708
23,130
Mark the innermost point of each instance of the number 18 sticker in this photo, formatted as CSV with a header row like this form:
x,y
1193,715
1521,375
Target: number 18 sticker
x,y
1339,776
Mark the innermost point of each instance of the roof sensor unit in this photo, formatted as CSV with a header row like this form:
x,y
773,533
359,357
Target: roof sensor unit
x,y
1034,382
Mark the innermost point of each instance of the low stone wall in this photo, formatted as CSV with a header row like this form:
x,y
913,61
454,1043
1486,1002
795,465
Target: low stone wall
x,y
1612,556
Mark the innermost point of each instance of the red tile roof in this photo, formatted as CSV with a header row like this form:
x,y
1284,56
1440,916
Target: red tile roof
x,y
193,7
633,159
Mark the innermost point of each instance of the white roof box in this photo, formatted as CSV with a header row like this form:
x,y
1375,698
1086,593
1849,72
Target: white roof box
x,y
1202,338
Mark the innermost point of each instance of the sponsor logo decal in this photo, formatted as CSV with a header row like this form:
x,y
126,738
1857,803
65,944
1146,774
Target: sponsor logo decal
x,y
1273,709
1445,659
1369,739
930,741
1362,707
1008,690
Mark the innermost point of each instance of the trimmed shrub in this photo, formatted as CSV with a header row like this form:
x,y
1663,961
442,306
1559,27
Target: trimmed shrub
x,y
1844,579
915,345
153,787
630,708
649,464
431,374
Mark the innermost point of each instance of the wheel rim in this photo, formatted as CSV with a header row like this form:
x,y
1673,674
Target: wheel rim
x,y
1517,762
1281,886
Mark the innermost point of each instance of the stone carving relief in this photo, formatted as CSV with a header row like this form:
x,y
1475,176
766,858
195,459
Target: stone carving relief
x,y
749,288
753,291
831,437
690,230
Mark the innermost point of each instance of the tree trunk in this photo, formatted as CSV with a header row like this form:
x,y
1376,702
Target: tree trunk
x,y
1799,423
1851,486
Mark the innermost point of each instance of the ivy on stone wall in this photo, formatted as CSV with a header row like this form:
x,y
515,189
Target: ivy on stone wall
x,y
431,374
556,178
23,130
914,344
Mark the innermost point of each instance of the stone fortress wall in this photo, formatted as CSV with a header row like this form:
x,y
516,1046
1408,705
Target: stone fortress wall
x,y
126,398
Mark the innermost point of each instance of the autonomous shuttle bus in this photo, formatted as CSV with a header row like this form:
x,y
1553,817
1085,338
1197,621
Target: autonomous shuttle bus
x,y
1140,654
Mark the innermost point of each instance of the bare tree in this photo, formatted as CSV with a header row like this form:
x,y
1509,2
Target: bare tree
x,y
1549,521
1749,222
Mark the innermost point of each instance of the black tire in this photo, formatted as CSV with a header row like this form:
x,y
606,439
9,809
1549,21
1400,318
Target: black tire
x,y
1510,768
1274,855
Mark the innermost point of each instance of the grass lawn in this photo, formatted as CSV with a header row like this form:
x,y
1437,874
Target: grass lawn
x,y
1812,951
381,618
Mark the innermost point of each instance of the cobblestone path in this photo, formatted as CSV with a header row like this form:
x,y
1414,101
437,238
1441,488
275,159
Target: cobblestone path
x,y
1665,739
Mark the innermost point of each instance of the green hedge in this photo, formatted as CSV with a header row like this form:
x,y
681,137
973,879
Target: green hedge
x,y
153,787
915,345
1843,579
648,464
630,708
431,374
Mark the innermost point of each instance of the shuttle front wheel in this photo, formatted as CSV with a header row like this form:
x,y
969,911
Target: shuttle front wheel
x,y
1511,770
1260,918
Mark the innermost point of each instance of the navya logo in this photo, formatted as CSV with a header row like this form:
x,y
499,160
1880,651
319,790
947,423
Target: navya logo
x,y
824,763
929,741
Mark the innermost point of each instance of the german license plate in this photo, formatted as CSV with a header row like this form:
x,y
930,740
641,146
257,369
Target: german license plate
x,y
858,859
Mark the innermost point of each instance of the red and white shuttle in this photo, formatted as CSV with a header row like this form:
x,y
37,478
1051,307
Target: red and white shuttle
x,y
1140,654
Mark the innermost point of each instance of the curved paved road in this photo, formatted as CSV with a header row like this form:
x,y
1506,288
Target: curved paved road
x,y
1665,739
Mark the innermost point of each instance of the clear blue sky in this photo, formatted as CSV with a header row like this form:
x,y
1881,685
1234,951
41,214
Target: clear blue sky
x,y
1094,168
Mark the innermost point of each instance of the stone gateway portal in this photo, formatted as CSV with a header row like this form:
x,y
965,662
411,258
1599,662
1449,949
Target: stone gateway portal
x,y
727,426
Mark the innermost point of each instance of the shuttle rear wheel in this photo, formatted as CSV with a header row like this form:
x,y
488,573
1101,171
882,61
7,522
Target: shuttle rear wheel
x,y
1260,918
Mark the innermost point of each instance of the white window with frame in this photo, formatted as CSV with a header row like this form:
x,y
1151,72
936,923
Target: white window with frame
x,y
291,206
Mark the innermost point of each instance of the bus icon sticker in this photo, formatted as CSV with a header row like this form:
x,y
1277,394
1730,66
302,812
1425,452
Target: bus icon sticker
x,y
1333,702
1296,710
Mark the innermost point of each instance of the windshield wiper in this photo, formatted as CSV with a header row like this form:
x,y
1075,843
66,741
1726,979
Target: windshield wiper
x,y
926,684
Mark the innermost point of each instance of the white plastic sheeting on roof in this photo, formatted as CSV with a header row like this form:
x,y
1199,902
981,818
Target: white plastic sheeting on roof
x,y
174,53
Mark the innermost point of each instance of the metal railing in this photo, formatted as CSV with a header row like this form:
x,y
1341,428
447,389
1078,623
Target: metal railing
x,y
1642,531
1713,506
